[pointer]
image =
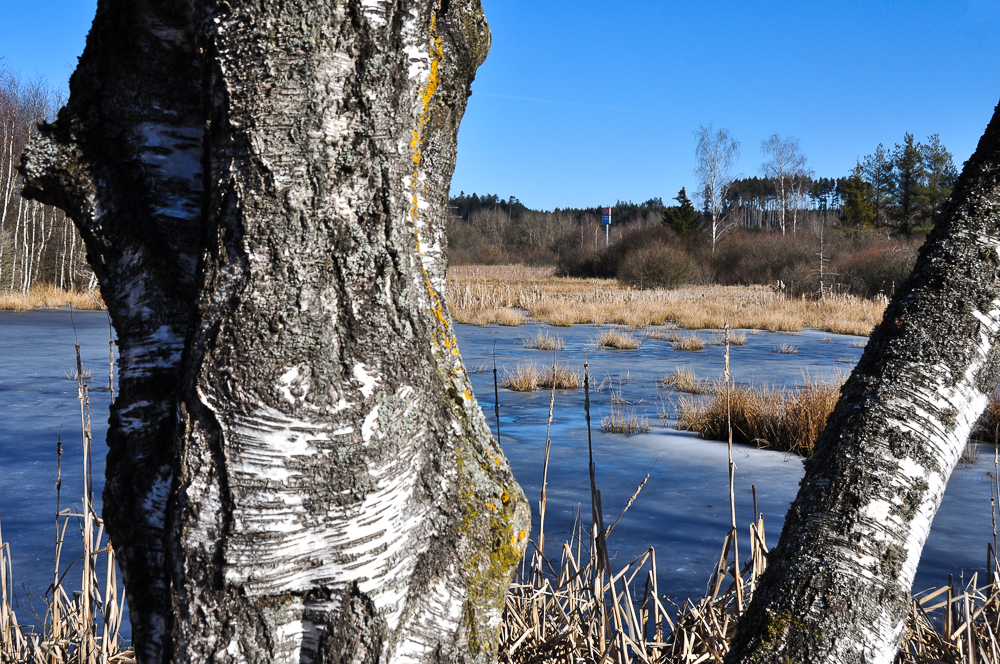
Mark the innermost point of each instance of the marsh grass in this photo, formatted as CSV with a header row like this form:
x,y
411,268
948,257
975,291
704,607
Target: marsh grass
x,y
859,343
786,349
560,377
624,420
735,339
769,417
826,339
50,297
616,339
475,291
544,341
684,380
523,379
689,342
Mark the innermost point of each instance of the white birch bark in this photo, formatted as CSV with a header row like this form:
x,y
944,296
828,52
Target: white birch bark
x,y
299,471
837,585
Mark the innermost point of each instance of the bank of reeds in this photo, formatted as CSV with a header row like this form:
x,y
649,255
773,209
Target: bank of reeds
x,y
50,297
474,292
689,342
765,416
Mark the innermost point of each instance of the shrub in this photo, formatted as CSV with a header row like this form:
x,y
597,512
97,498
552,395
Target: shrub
x,y
656,266
876,269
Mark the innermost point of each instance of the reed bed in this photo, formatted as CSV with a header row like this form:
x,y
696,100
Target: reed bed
x,y
527,377
50,297
79,627
617,339
769,417
684,380
689,342
544,341
559,377
735,339
624,420
474,291
575,609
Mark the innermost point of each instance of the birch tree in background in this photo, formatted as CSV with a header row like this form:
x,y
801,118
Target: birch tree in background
x,y
298,470
837,585
38,244
786,169
717,153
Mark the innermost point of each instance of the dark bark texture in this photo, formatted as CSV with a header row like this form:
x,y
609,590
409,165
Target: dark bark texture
x,y
837,584
299,471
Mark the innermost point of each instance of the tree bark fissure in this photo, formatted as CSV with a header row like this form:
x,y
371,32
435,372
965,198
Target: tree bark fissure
x,y
300,471
837,585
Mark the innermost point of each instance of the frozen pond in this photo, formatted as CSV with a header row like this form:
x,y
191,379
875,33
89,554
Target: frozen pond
x,y
682,511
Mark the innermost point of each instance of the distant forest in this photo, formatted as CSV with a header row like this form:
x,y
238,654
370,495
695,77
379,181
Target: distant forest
x,y
889,193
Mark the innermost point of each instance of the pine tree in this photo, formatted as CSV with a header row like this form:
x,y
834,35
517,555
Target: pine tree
x,y
681,217
859,207
940,176
908,181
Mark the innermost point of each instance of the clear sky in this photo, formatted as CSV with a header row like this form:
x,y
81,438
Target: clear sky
x,y
582,103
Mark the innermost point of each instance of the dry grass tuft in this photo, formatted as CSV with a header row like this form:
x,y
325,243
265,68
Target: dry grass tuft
x,y
684,380
617,339
528,377
483,317
766,416
523,379
545,341
826,339
562,376
859,343
689,342
624,420
735,339
50,297
787,349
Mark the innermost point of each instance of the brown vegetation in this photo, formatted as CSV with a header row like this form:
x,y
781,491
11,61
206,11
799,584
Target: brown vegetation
x,y
684,380
766,416
617,339
475,294
50,297
544,341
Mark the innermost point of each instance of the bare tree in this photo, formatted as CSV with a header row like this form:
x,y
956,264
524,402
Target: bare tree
x,y
298,469
787,166
717,153
837,585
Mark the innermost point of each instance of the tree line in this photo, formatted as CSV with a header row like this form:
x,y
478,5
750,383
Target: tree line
x,y
38,244
894,192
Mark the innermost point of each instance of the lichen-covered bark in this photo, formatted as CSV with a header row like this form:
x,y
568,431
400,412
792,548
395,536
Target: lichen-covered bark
x,y
299,470
837,585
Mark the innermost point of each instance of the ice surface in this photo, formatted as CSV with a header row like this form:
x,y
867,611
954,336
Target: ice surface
x,y
683,511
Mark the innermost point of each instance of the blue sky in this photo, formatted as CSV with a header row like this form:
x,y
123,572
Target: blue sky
x,y
582,103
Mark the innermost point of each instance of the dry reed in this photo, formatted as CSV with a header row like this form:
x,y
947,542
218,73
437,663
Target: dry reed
x,y
559,377
79,627
544,341
617,339
50,297
567,301
523,379
765,416
786,349
689,342
684,380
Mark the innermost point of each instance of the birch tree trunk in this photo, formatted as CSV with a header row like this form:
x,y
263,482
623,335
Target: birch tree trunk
x,y
837,586
298,469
